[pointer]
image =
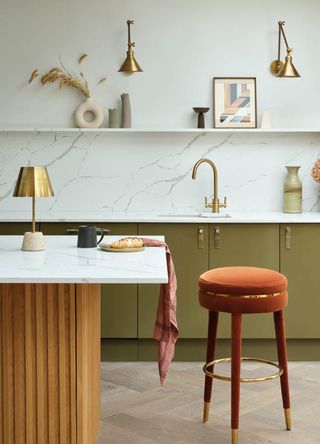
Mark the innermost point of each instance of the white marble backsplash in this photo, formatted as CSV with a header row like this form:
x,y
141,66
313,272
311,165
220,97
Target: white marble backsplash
x,y
139,172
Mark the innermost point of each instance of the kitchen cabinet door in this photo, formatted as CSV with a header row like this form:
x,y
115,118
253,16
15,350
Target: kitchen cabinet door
x,y
118,302
255,245
16,228
299,253
189,247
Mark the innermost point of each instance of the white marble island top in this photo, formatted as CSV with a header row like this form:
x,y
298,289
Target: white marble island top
x,y
63,262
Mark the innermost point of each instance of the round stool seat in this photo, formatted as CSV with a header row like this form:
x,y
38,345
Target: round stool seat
x,y
243,290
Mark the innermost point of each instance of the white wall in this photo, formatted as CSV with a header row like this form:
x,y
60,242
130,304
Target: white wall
x,y
181,45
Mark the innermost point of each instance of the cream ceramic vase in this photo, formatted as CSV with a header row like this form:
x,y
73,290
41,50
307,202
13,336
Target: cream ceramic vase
x,y
88,114
292,191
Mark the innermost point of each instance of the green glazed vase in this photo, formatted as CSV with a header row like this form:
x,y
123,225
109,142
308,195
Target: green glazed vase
x,y
292,191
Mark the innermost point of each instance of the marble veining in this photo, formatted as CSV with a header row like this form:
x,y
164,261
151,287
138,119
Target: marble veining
x,y
116,173
63,262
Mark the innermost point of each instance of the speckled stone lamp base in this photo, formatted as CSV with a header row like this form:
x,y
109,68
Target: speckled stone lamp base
x,y
33,241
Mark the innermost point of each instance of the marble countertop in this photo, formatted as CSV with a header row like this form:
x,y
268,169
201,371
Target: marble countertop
x,y
165,217
63,262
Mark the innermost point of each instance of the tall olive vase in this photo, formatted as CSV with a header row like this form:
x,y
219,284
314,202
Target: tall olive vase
x,y
292,191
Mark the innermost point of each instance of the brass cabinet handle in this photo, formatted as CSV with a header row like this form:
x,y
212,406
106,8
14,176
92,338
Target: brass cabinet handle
x,y
200,237
216,238
288,238
75,230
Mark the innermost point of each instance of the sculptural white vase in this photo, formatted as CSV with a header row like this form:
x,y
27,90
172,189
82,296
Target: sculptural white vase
x,y
88,114
266,120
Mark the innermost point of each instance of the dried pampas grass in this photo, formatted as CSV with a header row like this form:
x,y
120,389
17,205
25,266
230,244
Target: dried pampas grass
x,y
34,74
102,80
315,172
82,57
65,78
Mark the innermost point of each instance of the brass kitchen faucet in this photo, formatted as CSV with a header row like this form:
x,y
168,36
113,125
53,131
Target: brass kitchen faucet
x,y
215,203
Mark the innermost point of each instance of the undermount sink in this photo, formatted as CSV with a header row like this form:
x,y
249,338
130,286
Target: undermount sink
x,y
199,214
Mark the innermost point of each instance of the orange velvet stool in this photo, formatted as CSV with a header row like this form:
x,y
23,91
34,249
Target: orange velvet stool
x,y
238,291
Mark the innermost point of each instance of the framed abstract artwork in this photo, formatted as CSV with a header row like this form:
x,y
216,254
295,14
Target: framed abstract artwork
x,y
235,102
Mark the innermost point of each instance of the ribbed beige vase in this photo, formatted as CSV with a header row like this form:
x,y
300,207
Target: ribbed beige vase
x,y
292,191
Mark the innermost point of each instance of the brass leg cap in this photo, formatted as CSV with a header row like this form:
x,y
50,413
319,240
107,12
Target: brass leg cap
x,y
206,409
287,415
234,436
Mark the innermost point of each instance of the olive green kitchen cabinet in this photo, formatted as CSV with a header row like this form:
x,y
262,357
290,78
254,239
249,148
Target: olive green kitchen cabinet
x,y
118,302
255,245
189,247
15,228
299,253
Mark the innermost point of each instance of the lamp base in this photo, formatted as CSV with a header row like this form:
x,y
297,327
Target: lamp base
x,y
33,241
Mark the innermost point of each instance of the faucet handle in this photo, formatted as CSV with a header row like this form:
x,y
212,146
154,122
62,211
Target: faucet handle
x,y
224,204
206,204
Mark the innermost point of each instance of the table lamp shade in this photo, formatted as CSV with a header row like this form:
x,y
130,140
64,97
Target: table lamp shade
x,y
33,182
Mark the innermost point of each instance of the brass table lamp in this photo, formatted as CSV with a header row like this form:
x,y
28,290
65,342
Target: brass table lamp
x,y
33,182
277,67
130,64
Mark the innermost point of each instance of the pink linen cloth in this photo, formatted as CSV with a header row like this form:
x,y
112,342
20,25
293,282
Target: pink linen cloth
x,y
166,329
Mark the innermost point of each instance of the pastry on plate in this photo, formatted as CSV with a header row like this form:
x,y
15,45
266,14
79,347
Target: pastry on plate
x,y
127,242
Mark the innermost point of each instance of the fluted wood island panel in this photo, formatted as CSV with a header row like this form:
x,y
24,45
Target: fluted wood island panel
x,y
49,363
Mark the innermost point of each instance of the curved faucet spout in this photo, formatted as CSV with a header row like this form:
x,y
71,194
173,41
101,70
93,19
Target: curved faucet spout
x,y
215,173
215,204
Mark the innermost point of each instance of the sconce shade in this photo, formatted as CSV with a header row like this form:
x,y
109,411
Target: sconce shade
x,y
33,182
288,69
130,64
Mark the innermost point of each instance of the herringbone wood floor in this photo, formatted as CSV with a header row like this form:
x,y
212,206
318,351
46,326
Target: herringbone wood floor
x,y
136,410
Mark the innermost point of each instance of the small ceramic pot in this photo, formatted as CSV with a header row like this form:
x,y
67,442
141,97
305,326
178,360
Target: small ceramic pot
x,y
88,114
115,118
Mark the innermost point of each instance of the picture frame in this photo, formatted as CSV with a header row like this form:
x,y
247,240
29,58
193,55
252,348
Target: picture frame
x,y
234,102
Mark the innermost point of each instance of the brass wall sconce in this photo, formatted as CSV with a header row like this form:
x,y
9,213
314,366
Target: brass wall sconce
x,y
130,64
33,182
277,67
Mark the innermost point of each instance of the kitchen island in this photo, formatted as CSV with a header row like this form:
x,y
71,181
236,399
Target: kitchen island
x,y
50,335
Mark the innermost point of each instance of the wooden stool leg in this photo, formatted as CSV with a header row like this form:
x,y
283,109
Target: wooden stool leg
x,y
279,325
211,345
236,345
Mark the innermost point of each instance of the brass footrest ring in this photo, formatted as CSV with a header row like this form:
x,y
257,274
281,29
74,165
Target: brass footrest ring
x,y
228,378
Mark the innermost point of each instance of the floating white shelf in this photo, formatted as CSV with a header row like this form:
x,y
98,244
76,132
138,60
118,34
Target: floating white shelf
x,y
163,130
